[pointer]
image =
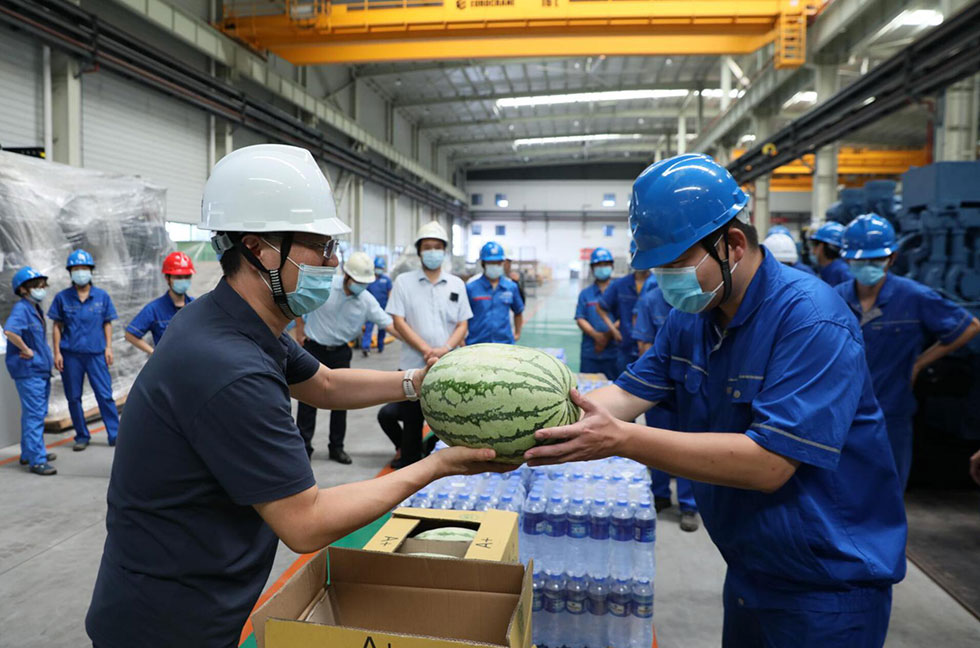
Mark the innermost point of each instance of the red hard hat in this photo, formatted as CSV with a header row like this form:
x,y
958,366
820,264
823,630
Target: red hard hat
x,y
178,263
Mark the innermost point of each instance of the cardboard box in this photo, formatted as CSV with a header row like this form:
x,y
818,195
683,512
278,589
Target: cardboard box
x,y
496,534
388,600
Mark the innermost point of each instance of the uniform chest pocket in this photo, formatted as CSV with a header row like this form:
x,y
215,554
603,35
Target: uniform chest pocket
x,y
905,330
686,375
507,298
743,388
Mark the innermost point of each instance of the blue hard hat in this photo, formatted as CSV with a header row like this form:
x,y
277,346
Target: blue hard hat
x,y
600,255
25,274
492,251
677,202
829,233
869,236
379,262
79,258
779,229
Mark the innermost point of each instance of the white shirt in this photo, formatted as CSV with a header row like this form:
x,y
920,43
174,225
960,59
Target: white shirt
x,y
432,310
340,319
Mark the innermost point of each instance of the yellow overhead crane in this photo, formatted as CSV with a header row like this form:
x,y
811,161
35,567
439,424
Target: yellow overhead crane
x,y
307,32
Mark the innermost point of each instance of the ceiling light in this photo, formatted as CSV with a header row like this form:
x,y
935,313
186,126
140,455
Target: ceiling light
x,y
577,65
510,127
745,139
640,121
807,96
398,82
715,93
503,203
588,97
920,18
668,61
575,123
575,139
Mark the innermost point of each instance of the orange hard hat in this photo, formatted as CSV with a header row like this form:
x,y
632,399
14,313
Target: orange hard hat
x,y
178,263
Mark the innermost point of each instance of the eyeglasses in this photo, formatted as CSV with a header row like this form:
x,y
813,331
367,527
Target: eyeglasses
x,y
327,249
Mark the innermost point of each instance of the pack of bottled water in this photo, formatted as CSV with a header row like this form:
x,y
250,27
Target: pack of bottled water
x,y
504,492
585,386
558,352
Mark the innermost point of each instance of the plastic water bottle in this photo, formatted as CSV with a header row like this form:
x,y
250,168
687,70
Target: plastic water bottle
x,y
621,530
577,556
620,603
556,523
443,501
644,535
600,520
554,607
464,502
598,608
576,601
532,527
641,614
507,503
537,610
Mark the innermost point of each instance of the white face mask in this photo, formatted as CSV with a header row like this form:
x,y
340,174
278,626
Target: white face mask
x,y
493,271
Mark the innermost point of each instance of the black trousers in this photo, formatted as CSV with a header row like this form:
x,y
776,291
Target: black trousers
x,y
333,358
402,423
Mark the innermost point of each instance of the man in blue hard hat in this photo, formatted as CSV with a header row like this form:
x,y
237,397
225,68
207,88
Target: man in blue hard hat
x,y
82,316
897,316
29,363
789,456
616,309
493,297
598,354
825,244
381,289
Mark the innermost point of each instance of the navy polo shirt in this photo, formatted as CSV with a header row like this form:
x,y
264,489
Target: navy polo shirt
x,y
155,317
836,272
208,433
618,301
491,308
586,309
788,372
381,288
82,322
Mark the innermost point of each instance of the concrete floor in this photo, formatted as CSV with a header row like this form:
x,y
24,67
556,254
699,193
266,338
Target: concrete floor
x,y
53,531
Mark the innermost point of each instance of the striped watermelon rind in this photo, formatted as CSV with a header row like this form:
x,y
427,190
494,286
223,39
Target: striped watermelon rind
x,y
496,396
449,534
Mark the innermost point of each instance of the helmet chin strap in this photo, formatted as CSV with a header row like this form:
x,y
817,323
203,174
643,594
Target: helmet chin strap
x,y
275,274
726,272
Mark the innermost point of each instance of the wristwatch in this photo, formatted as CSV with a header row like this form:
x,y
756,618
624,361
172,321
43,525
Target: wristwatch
x,y
409,386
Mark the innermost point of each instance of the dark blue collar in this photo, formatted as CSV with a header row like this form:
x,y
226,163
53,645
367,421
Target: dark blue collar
x,y
884,295
244,318
759,288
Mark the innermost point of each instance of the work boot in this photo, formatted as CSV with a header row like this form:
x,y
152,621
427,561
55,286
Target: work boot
x,y
338,455
365,352
112,443
689,521
79,446
49,457
661,503
44,469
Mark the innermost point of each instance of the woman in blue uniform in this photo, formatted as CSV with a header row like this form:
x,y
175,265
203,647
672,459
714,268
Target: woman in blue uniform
x,y
29,363
897,317
598,354
155,316
82,316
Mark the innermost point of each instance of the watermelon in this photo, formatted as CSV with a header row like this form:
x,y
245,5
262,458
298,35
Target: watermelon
x,y
497,396
449,534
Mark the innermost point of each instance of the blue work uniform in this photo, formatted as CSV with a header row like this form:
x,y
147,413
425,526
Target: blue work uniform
x,y
618,302
491,310
802,267
208,433
593,361
811,564
836,272
651,312
905,317
31,377
155,317
380,288
83,351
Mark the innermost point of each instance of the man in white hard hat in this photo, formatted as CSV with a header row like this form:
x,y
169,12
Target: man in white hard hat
x,y
783,247
210,471
326,334
430,310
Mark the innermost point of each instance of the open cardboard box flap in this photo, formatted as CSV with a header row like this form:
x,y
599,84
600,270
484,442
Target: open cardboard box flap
x,y
496,538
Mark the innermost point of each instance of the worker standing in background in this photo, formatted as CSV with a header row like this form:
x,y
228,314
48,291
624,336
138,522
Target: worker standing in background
x,y
826,244
897,315
514,275
29,363
599,355
780,430
493,297
650,314
617,303
155,316
381,289
82,316
784,249
430,311
326,333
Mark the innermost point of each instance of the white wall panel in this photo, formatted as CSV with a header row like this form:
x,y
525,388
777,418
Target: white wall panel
x,y
403,134
21,103
552,195
373,218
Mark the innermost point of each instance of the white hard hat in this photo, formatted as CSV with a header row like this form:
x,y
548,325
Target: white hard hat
x,y
432,230
782,247
270,188
360,267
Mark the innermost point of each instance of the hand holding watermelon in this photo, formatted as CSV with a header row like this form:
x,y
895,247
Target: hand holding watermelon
x,y
469,461
596,436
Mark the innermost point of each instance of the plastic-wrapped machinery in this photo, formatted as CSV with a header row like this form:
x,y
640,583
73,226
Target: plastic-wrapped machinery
x,y
49,209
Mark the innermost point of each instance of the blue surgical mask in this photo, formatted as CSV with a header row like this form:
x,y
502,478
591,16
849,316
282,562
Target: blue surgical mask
x,y
81,277
357,288
38,294
181,286
868,273
378,272
812,258
493,271
682,290
432,259
313,286
602,273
